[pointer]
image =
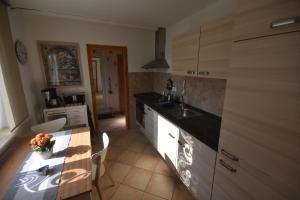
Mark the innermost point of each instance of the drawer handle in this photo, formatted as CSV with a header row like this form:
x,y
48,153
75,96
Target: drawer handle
x,y
190,72
149,109
229,155
180,143
285,22
203,73
224,164
172,136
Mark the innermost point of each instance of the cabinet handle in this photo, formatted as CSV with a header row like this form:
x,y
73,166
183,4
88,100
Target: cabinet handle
x,y
284,22
224,164
203,73
149,109
172,136
229,155
180,143
190,72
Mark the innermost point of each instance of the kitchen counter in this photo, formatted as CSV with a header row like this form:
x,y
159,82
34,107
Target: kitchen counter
x,y
205,127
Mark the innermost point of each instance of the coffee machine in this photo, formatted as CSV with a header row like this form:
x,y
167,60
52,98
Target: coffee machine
x,y
51,98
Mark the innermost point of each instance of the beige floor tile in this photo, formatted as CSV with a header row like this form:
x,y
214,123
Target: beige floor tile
x,y
119,171
137,147
181,192
128,157
138,178
147,161
151,197
161,186
150,150
122,142
162,168
107,188
114,152
127,193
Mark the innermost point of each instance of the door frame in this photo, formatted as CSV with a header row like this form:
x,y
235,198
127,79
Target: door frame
x,y
90,49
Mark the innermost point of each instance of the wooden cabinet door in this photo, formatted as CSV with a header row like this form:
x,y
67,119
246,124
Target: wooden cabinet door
x,y
261,122
196,164
215,45
185,49
254,18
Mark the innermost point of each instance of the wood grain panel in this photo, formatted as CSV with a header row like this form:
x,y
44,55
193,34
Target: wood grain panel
x,y
215,45
261,121
254,18
185,49
76,176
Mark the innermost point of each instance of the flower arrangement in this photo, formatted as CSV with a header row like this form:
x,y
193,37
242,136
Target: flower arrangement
x,y
42,142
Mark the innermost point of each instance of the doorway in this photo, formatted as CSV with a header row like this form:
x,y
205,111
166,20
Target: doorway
x,y
108,70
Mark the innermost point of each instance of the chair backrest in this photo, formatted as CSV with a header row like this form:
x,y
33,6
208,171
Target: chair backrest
x,y
102,153
50,126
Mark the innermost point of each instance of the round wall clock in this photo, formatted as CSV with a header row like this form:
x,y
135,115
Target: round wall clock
x,y
21,52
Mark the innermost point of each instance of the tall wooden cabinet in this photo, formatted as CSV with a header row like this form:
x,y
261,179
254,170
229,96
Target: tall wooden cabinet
x,y
259,148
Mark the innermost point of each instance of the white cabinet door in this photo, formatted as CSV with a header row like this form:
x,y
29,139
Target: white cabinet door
x,y
167,139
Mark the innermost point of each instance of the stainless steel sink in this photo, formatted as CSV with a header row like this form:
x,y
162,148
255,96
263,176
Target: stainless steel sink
x,y
185,113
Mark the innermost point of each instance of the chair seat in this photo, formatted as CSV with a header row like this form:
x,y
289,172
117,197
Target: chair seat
x,y
94,169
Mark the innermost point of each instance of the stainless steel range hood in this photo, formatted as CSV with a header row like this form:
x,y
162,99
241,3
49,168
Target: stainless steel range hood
x,y
160,44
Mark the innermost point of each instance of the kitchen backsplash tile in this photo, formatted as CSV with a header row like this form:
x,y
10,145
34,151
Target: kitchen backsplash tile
x,y
204,93
139,82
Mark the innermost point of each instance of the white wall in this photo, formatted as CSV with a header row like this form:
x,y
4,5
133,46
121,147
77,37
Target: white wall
x,y
29,28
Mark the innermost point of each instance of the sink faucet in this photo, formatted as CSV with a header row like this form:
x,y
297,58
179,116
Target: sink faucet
x,y
182,106
182,96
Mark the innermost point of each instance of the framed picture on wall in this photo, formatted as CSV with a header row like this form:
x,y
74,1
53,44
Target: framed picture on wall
x,y
61,63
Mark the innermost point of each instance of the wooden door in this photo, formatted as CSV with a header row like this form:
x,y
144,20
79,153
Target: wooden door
x,y
259,144
215,45
185,48
121,83
255,18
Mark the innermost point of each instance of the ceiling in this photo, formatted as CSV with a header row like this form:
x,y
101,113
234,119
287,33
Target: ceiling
x,y
138,13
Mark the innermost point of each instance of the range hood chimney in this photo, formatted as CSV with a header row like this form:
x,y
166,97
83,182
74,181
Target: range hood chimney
x,y
160,43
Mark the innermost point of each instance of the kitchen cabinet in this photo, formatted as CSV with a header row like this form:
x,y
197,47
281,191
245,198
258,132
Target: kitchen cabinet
x,y
150,125
167,140
254,18
259,148
75,115
196,163
185,49
215,45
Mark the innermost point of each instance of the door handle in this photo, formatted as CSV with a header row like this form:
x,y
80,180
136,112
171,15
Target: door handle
x,y
190,72
227,166
229,155
172,136
285,22
203,73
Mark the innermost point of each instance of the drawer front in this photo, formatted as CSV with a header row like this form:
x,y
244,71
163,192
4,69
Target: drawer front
x,y
254,18
149,111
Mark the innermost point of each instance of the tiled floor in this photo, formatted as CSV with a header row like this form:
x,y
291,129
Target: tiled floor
x,y
138,170
112,124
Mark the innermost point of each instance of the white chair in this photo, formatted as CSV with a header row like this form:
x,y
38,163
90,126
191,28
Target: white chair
x,y
98,165
50,126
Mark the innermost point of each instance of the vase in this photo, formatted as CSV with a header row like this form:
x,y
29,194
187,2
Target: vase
x,y
45,154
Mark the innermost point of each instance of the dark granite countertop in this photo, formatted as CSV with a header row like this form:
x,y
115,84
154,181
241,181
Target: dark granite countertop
x,y
205,127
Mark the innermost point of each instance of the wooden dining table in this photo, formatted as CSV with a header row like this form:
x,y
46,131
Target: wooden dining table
x,y
76,177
